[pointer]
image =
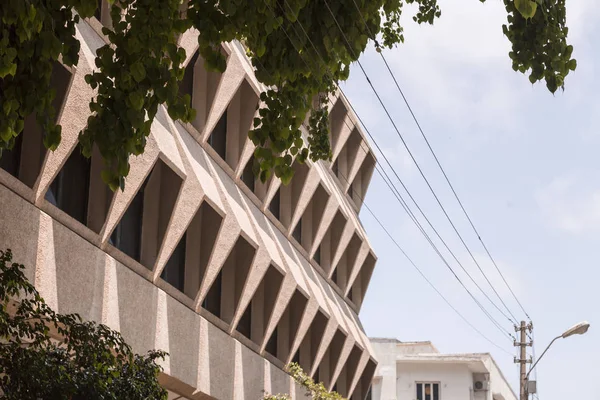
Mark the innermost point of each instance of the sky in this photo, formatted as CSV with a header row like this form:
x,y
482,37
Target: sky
x,y
524,163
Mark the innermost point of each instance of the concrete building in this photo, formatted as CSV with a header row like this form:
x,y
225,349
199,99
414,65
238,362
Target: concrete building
x,y
417,371
233,277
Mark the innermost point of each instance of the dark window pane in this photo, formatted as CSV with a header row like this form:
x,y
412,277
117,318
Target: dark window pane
x,y
248,174
297,233
127,236
334,388
351,191
296,358
271,346
316,375
98,13
419,391
186,86
218,137
212,301
369,395
317,255
436,391
334,167
174,271
245,325
334,276
275,204
350,295
69,190
11,159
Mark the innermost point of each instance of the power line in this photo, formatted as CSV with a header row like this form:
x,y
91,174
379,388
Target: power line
x,y
412,215
444,172
410,259
431,284
417,165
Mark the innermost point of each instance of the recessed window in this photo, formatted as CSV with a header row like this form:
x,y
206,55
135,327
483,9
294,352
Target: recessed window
x,y
287,328
234,273
127,236
174,271
428,391
69,190
330,242
312,217
317,255
348,372
297,233
11,159
331,357
24,161
255,319
248,174
296,358
244,325
307,352
102,13
275,204
218,138
212,301
186,86
271,346
187,265
290,194
359,287
343,270
141,230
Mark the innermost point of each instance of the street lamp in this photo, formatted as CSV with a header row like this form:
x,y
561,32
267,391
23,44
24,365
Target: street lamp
x,y
578,329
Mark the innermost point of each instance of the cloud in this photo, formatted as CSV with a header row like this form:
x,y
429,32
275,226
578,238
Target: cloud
x,y
459,70
571,203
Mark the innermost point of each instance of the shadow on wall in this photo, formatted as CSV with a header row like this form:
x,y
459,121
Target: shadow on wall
x,y
184,341
20,229
137,301
79,275
221,362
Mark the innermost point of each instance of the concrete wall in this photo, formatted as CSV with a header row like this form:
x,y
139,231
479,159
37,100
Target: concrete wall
x,y
77,267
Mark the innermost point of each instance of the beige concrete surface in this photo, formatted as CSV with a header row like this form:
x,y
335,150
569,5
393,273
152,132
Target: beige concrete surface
x,y
238,255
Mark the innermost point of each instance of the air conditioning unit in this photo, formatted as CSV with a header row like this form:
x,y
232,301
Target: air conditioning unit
x,y
481,386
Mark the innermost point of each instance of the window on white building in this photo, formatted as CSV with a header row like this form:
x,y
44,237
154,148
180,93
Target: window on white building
x,y
428,391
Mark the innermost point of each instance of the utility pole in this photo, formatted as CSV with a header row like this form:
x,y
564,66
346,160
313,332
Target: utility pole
x,y
522,360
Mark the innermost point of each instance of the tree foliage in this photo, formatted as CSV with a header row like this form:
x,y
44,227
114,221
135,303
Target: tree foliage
x,y
300,49
46,355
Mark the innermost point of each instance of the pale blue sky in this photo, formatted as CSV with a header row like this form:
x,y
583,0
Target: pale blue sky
x,y
526,166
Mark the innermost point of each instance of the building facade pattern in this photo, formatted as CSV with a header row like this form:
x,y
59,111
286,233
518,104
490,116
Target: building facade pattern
x,y
233,277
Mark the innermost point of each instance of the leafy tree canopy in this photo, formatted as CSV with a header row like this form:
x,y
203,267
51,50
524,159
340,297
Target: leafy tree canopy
x,y
46,355
299,48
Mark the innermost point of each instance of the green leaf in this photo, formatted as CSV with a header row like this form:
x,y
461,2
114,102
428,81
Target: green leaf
x,y
527,8
137,100
572,64
138,71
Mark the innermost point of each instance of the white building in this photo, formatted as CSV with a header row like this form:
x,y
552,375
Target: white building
x,y
417,371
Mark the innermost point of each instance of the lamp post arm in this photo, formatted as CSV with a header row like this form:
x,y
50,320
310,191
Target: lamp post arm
x,y
538,360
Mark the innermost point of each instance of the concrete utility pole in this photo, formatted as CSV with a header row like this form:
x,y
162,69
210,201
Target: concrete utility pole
x,y
522,361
